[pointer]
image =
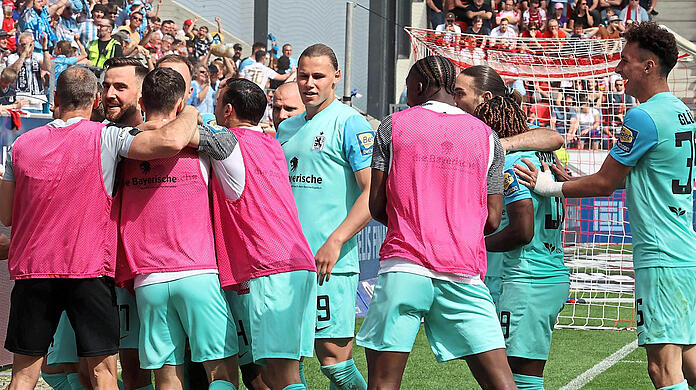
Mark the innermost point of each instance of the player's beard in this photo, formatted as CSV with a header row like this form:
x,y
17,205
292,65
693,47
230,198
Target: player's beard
x,y
120,117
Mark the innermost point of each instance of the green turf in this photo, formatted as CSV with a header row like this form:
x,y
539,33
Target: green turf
x,y
572,353
595,314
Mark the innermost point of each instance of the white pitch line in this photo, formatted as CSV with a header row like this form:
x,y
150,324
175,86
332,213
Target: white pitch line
x,y
600,367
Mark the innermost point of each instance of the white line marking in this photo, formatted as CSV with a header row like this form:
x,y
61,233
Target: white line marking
x,y
600,367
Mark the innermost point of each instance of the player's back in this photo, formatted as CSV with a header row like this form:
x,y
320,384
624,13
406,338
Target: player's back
x,y
541,260
660,185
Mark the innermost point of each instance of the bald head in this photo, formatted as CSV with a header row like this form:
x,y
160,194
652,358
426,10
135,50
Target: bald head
x,y
286,103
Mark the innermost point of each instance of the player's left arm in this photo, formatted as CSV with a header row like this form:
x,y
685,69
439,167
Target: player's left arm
x,y
518,232
358,138
541,138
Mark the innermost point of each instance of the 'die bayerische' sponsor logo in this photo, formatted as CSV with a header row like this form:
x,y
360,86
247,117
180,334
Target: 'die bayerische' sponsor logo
x,y
151,178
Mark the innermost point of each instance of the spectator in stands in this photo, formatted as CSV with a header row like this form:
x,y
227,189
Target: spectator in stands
x,y
104,47
8,91
257,46
478,27
88,29
510,13
649,6
553,30
583,15
449,30
259,73
613,30
560,16
564,119
471,51
534,15
155,23
111,11
9,25
36,16
503,36
287,53
604,5
67,27
237,57
635,12
5,50
65,57
203,40
214,75
482,10
286,103
436,15
619,102
531,45
203,96
28,64
169,27
132,30
589,125
167,45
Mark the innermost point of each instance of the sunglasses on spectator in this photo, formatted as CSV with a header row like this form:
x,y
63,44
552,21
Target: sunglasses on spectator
x,y
136,18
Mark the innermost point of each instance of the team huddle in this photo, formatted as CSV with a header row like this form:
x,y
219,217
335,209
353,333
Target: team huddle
x,y
173,241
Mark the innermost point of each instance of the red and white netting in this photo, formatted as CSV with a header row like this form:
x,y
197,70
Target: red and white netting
x,y
557,76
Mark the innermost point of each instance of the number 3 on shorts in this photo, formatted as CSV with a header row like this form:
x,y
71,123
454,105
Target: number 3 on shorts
x,y
323,305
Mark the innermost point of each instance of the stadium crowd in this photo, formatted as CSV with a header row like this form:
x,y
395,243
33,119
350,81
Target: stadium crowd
x,y
588,112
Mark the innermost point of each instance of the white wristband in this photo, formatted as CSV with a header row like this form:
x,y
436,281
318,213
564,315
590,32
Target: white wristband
x,y
547,186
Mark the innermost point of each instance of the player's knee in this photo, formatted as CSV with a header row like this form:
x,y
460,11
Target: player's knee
x,y
661,371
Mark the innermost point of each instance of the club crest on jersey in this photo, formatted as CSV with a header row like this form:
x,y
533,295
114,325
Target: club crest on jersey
x,y
318,143
211,124
510,184
627,139
366,140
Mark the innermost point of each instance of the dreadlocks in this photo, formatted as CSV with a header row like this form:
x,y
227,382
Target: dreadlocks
x,y
503,115
437,71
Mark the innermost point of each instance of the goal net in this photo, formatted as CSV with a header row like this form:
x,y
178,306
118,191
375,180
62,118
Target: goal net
x,y
570,85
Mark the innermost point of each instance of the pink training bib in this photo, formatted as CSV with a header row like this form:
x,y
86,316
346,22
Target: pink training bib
x,y
437,191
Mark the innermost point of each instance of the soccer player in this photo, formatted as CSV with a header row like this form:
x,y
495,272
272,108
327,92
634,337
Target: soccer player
x,y
122,84
286,103
71,159
474,86
328,150
535,281
655,157
252,203
434,257
172,263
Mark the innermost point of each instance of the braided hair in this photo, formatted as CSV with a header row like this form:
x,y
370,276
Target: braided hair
x,y
437,71
503,115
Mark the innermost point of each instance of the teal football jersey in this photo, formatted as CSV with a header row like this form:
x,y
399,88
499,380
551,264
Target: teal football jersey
x,y
541,260
658,140
323,155
494,260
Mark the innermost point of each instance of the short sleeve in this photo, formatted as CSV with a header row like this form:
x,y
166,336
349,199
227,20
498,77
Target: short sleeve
x,y
9,167
272,74
358,140
638,136
116,140
512,189
495,169
381,154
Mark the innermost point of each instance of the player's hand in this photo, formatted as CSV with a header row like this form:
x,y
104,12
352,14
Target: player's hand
x,y
559,170
326,258
527,175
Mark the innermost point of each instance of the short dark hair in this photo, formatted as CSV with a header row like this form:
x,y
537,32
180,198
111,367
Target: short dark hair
x,y
320,50
260,55
64,47
175,58
162,89
111,8
248,99
655,39
76,88
119,62
286,45
168,21
154,19
258,46
111,22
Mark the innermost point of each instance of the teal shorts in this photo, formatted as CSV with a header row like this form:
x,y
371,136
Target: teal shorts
x,y
192,307
281,315
239,305
128,319
528,313
63,348
336,307
459,318
495,286
666,305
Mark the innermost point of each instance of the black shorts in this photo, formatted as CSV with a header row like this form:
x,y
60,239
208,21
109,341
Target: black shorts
x,y
36,306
